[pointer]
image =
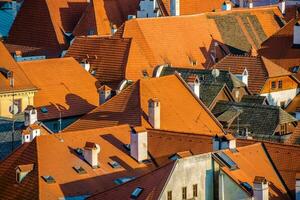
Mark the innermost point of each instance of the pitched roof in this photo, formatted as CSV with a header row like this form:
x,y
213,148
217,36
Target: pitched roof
x,y
101,15
152,184
256,99
21,81
247,159
190,7
186,113
259,119
43,24
279,47
283,158
107,57
195,36
259,69
294,105
63,85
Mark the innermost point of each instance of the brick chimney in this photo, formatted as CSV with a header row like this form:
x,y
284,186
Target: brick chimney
x,y
260,188
30,115
90,153
297,33
154,113
194,83
104,94
139,143
282,6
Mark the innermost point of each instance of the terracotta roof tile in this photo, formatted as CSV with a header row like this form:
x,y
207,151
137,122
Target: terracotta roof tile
x,y
63,85
131,107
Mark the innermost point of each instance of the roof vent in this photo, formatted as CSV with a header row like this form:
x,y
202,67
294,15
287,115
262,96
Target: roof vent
x,y
136,193
22,171
49,179
79,170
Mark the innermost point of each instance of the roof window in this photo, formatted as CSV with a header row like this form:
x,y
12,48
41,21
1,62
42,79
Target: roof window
x,y
127,147
49,179
79,170
247,186
79,151
120,181
226,160
22,171
114,164
136,193
44,110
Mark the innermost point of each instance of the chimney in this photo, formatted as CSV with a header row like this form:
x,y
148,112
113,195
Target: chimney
x,y
154,113
30,133
85,64
241,4
260,188
175,8
297,188
30,115
194,83
224,142
104,94
250,3
139,143
297,33
226,5
90,154
282,6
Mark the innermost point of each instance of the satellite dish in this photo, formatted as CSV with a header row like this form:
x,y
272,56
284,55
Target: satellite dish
x,y
13,109
215,73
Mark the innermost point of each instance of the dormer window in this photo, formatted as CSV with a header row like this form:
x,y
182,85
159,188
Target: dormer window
x,y
22,171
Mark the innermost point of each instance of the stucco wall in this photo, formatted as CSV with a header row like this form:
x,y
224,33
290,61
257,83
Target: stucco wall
x,y
274,98
190,171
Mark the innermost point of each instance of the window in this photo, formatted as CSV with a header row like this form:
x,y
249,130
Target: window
x,y
79,170
280,84
136,193
184,193
169,195
114,164
282,104
195,190
18,103
283,129
273,85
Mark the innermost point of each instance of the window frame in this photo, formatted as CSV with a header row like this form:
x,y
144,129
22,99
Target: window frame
x,y
184,193
280,84
195,190
273,85
169,195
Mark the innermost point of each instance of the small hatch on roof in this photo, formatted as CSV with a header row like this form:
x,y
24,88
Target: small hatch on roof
x,y
79,170
226,160
44,110
49,179
79,151
127,147
114,164
136,193
120,181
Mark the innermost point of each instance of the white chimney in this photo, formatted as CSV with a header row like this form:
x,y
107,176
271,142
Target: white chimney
x,y
194,83
86,65
139,143
297,33
30,133
297,189
30,114
282,6
90,154
175,7
227,5
225,142
154,113
104,94
260,188
250,3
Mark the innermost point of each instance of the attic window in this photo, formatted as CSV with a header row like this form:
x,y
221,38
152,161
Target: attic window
x,y
114,164
79,170
127,147
22,171
120,181
44,110
79,151
49,179
136,193
247,186
226,160
145,73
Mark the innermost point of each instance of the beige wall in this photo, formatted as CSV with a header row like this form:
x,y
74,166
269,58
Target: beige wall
x,y
6,100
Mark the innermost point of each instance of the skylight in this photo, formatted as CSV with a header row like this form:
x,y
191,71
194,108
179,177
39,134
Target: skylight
x,y
120,181
114,164
136,193
174,157
127,147
247,186
44,110
49,179
79,151
79,170
226,160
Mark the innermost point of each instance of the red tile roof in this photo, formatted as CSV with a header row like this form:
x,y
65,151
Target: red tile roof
x,y
63,85
107,57
42,24
181,110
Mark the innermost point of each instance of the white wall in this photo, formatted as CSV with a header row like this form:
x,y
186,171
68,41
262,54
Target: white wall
x,y
296,34
147,9
187,172
274,98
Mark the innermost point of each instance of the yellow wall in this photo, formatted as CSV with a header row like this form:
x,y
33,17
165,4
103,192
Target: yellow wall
x,y
287,83
6,100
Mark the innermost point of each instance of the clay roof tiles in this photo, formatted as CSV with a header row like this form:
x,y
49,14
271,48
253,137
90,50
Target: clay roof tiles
x,y
131,107
63,85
